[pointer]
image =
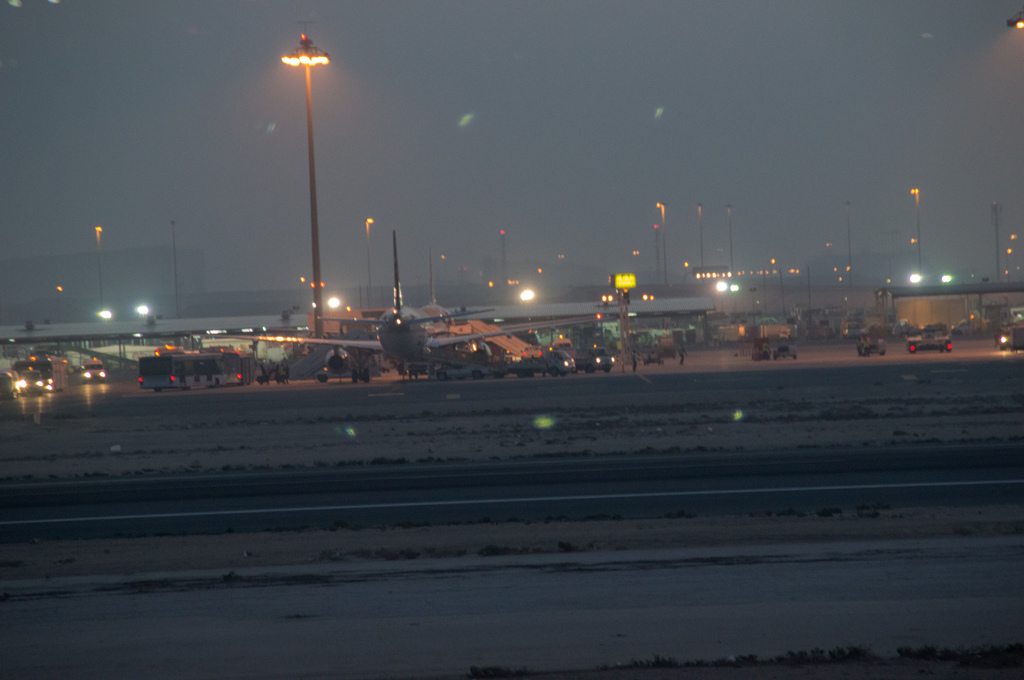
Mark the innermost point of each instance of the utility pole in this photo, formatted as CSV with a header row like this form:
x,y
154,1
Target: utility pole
x,y
732,267
997,211
700,227
174,254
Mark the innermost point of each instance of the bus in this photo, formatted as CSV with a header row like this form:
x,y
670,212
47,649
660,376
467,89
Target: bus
x,y
51,373
185,370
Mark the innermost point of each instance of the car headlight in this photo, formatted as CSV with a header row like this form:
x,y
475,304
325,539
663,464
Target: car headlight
x,y
597,360
1002,339
39,383
103,374
88,374
22,384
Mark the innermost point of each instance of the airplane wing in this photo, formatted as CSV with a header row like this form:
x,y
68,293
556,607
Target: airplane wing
x,y
447,340
335,342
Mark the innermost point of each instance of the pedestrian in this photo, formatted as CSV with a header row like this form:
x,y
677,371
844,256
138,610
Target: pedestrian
x,y
634,362
682,354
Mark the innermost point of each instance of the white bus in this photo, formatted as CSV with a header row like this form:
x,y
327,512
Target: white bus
x,y
185,370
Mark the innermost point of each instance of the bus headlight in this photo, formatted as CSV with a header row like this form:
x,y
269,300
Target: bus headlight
x,y
88,374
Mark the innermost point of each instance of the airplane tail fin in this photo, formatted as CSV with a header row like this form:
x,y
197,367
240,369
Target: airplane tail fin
x,y
398,285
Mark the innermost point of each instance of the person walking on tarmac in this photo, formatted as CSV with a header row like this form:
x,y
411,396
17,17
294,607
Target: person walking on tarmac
x,y
682,354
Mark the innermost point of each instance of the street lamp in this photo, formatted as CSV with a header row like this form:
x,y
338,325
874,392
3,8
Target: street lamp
x,y
917,207
174,254
307,55
1016,21
369,221
664,252
99,262
732,267
700,227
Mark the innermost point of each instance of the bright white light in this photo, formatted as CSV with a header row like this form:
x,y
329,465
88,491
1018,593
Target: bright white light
x,y
107,314
915,278
734,287
143,310
333,303
722,286
526,295
946,278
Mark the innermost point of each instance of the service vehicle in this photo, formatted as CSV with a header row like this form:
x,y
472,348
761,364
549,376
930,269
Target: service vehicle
x,y
93,370
52,371
185,370
10,385
32,382
784,351
931,338
595,359
461,372
1011,339
868,346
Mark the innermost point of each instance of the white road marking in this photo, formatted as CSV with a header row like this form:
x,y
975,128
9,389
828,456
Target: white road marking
x,y
539,499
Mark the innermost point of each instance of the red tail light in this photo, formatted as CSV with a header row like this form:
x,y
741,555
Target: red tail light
x,y
949,346
172,378
239,376
912,348
140,378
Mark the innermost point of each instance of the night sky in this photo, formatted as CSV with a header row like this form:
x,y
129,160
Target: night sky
x,y
560,121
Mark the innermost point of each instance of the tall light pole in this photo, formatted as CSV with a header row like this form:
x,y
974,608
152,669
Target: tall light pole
x,y
174,252
849,250
664,250
700,227
997,211
732,267
369,280
307,55
99,262
917,207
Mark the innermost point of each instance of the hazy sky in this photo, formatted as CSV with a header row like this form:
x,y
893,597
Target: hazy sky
x,y
561,121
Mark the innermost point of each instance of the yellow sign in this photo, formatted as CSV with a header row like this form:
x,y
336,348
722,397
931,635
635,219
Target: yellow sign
x,y
625,281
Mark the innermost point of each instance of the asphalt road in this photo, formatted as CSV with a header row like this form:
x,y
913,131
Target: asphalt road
x,y
637,486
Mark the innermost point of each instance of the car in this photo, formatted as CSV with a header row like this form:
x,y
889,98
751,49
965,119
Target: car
x,y
32,382
10,385
93,370
461,372
560,363
784,351
651,355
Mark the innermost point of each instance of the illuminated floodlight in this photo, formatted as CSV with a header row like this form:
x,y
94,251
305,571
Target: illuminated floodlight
x,y
526,295
106,314
142,310
722,286
915,278
734,287
334,303
946,278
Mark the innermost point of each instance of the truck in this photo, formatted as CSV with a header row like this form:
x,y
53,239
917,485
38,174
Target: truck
x,y
554,362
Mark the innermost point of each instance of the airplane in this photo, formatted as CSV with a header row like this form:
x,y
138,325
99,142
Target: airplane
x,y
417,336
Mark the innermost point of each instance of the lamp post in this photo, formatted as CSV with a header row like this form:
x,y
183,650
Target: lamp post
x,y
1016,21
664,252
174,254
849,252
307,55
369,221
917,208
99,262
732,267
700,228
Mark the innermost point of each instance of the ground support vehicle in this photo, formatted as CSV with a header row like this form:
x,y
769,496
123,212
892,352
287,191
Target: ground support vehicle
x,y
595,359
185,370
94,371
50,374
10,385
867,346
650,355
1011,338
784,351
461,372
929,340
